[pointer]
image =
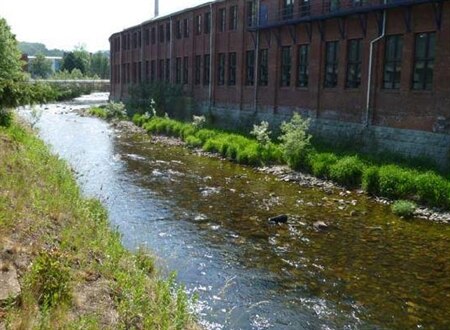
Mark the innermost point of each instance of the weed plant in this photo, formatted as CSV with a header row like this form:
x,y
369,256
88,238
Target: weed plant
x,y
403,208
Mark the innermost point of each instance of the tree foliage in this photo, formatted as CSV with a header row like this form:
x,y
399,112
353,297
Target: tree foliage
x,y
15,89
295,141
92,65
34,48
12,79
99,65
40,67
77,59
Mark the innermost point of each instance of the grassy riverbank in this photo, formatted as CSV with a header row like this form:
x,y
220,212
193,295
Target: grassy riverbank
x,y
377,177
72,269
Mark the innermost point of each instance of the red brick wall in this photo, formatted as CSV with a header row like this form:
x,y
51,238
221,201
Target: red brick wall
x,y
403,108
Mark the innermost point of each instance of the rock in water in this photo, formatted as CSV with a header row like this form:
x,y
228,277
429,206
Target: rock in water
x,y
282,218
320,225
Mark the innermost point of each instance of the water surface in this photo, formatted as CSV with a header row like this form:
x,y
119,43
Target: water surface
x,y
206,219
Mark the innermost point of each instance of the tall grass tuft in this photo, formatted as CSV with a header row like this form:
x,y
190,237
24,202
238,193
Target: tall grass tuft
x,y
347,171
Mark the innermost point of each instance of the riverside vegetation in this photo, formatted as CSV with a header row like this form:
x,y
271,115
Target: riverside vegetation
x,y
294,147
73,270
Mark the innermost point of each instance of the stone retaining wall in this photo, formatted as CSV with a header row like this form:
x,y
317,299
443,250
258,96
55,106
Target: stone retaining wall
x,y
408,143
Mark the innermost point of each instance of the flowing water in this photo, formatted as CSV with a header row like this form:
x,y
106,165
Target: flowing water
x,y
206,219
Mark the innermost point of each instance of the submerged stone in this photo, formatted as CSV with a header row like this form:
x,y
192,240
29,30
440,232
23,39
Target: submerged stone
x,y
282,218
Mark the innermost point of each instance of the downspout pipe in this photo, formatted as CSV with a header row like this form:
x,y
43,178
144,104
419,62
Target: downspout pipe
x,y
172,64
256,61
211,55
370,69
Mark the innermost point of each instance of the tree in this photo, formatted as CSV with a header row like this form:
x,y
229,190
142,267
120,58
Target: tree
x,y
77,59
15,88
68,62
12,78
100,65
82,59
40,67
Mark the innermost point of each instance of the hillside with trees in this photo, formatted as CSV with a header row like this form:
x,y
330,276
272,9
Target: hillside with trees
x,y
35,48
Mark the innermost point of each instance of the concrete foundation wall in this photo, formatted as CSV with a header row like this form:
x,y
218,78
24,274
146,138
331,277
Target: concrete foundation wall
x,y
404,142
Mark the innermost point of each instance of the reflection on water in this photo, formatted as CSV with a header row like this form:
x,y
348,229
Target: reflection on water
x,y
207,219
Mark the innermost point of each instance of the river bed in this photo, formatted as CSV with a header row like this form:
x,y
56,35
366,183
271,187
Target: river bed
x,y
206,219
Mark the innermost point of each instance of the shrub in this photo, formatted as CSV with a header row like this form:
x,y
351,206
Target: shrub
x,y
271,153
213,145
115,110
295,141
347,171
262,134
98,112
320,163
205,134
137,119
198,121
370,180
403,208
396,182
249,155
50,280
193,141
433,189
187,130
5,117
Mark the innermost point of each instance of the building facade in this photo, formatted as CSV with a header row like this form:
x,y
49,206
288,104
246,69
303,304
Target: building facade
x,y
372,71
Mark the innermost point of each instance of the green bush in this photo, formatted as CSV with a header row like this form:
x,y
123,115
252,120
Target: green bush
x,y
193,141
249,155
5,117
295,142
98,112
205,134
370,180
396,182
50,280
403,208
115,110
347,171
271,153
187,130
138,119
262,134
320,163
432,189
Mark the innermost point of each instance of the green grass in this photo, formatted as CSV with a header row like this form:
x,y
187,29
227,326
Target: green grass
x,y
98,112
71,251
347,171
385,176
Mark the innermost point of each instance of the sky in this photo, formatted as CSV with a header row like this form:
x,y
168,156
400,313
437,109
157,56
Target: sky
x,y
65,24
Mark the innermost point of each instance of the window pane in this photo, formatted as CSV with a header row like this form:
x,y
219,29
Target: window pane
x,y
421,46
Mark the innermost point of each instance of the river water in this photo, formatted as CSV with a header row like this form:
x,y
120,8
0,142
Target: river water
x,y
206,219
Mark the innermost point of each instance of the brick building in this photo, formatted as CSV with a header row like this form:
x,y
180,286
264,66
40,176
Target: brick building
x,y
372,71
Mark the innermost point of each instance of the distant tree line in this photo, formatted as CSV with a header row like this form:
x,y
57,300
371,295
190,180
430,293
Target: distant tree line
x,y
35,48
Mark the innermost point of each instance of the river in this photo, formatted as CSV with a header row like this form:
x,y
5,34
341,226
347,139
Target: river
x,y
206,219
